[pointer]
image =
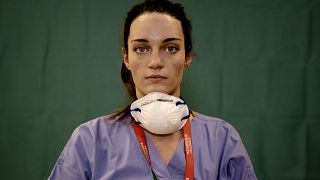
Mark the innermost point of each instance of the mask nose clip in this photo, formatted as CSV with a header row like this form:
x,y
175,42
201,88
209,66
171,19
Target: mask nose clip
x,y
165,100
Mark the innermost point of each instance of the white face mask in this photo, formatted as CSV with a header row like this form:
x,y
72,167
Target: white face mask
x,y
160,113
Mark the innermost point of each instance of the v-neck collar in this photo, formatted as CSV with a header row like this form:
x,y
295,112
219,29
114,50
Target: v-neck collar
x,y
176,165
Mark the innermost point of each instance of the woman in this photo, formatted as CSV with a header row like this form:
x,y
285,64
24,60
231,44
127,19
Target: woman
x,y
157,136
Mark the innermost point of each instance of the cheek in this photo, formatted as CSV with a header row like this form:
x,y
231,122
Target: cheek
x,y
132,62
135,68
178,67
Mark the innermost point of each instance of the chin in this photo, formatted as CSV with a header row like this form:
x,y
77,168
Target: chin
x,y
162,90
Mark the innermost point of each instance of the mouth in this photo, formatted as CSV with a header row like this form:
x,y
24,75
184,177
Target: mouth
x,y
156,77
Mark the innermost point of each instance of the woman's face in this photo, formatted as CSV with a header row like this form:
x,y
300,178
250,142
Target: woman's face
x,y
156,54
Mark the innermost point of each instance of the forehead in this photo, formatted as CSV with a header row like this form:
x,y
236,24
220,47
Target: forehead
x,y
155,26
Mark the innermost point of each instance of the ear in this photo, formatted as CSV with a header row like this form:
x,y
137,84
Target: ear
x,y
125,58
188,60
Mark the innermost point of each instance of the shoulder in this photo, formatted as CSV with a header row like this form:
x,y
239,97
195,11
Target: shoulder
x,y
213,123
223,136
216,131
99,132
106,120
101,127
88,142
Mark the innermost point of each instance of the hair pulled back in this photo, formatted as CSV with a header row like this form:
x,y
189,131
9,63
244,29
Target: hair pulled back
x,y
175,10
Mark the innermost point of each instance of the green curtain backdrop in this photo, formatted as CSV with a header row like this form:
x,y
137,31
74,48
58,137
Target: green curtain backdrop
x,y
257,66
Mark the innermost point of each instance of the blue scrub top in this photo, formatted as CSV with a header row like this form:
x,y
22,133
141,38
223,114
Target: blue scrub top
x,y
107,149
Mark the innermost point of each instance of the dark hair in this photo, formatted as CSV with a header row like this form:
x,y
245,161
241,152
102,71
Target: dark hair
x,y
175,10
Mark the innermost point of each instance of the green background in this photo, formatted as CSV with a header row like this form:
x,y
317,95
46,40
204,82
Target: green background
x,y
257,66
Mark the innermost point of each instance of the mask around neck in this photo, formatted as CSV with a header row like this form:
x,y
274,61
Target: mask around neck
x,y
160,113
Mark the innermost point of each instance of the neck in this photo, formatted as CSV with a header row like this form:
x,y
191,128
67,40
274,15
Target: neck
x,y
166,145
165,137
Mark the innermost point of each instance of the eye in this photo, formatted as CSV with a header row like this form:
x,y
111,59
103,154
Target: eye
x,y
172,49
140,50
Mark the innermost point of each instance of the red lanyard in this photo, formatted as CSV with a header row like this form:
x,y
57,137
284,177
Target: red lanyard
x,y
187,145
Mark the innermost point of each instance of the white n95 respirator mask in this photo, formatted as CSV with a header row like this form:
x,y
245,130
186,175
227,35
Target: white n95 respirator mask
x,y
160,113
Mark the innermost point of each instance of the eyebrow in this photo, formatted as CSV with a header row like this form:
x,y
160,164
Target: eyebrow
x,y
166,40
171,39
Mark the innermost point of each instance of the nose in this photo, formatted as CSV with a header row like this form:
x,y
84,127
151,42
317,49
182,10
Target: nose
x,y
155,61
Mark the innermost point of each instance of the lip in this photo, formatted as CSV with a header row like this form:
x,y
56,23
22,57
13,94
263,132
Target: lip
x,y
156,77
